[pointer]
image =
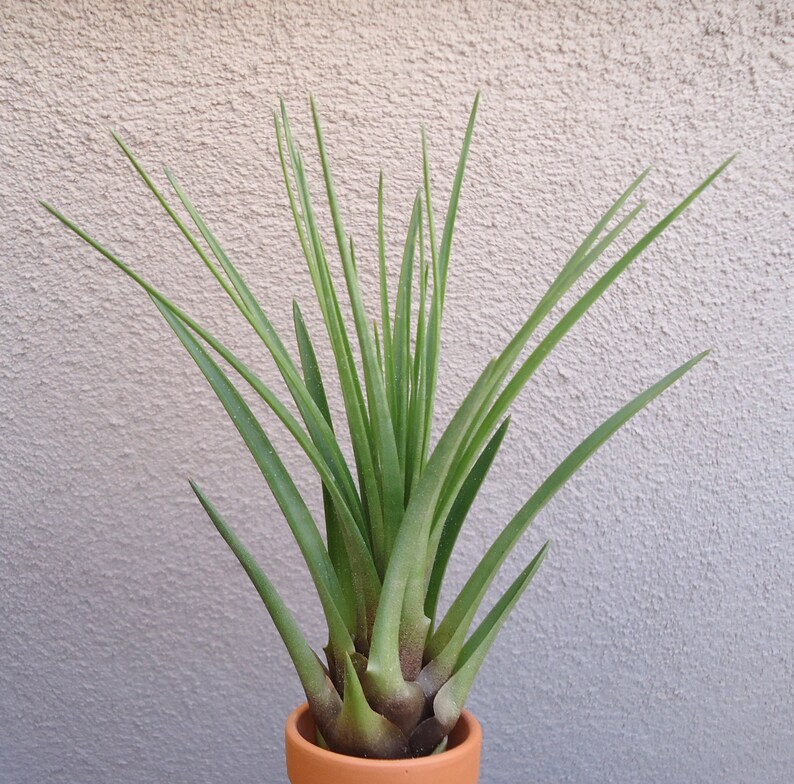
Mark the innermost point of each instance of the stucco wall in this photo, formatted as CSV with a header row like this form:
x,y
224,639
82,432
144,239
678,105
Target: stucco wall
x,y
656,642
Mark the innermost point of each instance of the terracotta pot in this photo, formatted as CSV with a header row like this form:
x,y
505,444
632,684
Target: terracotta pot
x,y
307,763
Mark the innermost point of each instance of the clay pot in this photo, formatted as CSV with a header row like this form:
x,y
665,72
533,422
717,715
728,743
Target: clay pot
x,y
307,763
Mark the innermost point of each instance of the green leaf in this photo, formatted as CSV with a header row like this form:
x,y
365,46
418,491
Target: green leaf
x,y
353,537
577,262
457,656
416,446
428,201
583,304
384,668
478,644
338,615
440,267
457,515
382,428
320,691
489,418
358,421
315,420
360,730
378,348
450,698
309,364
508,356
177,220
464,607
452,209
391,473
402,334
354,594
385,318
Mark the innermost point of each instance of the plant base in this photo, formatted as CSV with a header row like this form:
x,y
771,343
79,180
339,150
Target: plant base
x,y
307,763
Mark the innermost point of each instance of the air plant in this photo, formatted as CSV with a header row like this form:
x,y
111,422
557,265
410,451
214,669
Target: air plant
x,y
397,672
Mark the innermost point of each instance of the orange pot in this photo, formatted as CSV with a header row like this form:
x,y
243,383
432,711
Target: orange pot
x,y
307,763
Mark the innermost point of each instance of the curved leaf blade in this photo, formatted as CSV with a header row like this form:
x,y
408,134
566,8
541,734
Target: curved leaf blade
x,y
320,691
457,516
464,607
338,614
451,697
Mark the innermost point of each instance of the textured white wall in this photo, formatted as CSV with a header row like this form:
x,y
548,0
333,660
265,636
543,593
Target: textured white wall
x,y
656,642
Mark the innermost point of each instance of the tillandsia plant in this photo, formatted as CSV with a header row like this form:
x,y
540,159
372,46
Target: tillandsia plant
x,y
396,673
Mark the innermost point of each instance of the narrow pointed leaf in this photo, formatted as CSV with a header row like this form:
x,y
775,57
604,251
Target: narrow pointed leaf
x,y
353,538
384,668
385,318
451,697
401,380
507,358
428,200
338,615
234,296
468,600
611,275
415,452
480,641
440,267
509,355
323,697
456,654
445,249
315,420
309,364
382,427
355,408
378,348
391,472
457,515
334,536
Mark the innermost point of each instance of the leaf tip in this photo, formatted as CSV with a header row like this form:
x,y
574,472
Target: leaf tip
x,y
117,138
315,112
689,364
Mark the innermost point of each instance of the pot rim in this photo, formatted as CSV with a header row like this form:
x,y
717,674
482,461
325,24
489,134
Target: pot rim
x,y
471,731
